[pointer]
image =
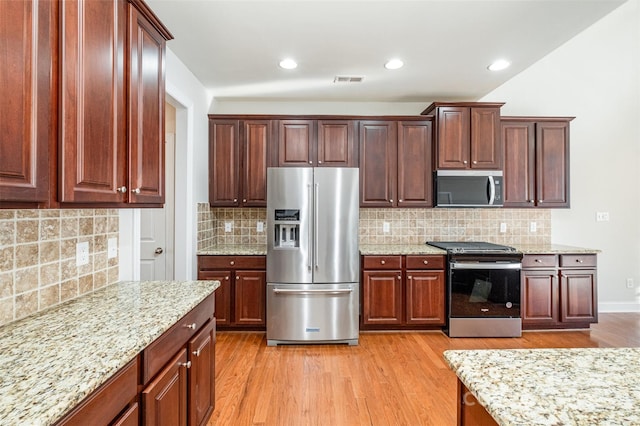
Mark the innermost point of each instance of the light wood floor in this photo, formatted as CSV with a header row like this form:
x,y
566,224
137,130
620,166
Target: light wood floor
x,y
390,378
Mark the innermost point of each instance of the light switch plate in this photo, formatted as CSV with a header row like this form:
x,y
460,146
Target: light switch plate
x,y
386,227
112,248
228,226
82,253
260,227
503,227
533,227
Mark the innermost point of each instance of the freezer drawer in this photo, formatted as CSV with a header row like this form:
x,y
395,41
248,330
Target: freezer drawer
x,y
312,313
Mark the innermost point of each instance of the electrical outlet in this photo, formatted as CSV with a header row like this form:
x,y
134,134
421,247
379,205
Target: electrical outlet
x,y
503,227
112,248
533,227
260,227
602,216
386,227
630,283
228,226
82,253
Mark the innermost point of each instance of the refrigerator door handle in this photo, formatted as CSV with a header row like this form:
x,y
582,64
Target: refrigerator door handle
x,y
309,260
315,226
312,291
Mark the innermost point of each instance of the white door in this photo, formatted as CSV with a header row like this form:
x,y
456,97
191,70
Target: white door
x,y
156,228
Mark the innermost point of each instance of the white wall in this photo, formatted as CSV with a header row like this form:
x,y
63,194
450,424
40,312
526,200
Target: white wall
x,y
596,78
319,108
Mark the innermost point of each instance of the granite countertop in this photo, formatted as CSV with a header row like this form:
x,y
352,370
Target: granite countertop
x,y
553,249
553,386
52,360
398,249
234,250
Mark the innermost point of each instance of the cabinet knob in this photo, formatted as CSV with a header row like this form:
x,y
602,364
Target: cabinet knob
x,y
465,162
399,201
426,262
233,262
538,261
475,162
391,201
235,200
409,277
244,200
382,262
539,201
122,189
530,201
237,278
399,277
226,278
319,161
579,260
310,162
191,326
136,190
196,353
186,364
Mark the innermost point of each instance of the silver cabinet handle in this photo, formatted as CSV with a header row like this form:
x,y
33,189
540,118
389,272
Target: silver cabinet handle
x,y
237,277
410,277
399,201
391,201
399,277
244,200
233,262
530,201
235,200
465,162
158,250
475,162
196,353
191,326
538,261
226,278
579,260
122,189
136,190
310,162
186,364
382,262
426,262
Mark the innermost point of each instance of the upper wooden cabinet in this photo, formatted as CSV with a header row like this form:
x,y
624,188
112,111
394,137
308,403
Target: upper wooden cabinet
x,y
103,43
28,43
536,161
395,163
316,143
467,135
238,160
89,112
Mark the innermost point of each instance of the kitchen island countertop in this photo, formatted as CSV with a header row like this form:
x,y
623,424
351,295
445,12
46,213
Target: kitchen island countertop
x,y
586,386
52,360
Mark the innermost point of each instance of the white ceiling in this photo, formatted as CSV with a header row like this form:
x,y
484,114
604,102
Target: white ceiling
x,y
233,46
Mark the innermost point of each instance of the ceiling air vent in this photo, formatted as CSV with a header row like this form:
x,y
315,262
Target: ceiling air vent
x,y
348,79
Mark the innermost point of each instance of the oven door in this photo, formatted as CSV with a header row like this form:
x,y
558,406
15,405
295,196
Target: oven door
x,y
484,289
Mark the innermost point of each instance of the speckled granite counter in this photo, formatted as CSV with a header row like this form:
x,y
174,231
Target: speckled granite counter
x,y
51,361
553,249
398,249
553,386
235,250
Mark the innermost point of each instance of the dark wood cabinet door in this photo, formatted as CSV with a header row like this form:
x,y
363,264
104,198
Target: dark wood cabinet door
x,y
425,297
540,297
201,375
255,160
164,400
415,175
336,144
378,164
486,150
146,110
518,139
250,298
578,296
296,143
552,164
453,137
222,296
131,417
92,144
28,43
224,163
382,297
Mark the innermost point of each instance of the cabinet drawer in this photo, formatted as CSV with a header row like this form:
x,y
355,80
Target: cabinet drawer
x,y
539,261
103,405
383,262
232,262
577,260
158,353
425,262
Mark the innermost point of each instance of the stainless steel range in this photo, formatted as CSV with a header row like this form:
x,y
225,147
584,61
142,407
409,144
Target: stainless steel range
x,y
483,289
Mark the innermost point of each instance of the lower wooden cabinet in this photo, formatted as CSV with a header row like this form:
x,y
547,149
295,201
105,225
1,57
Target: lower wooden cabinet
x,y
559,291
403,292
164,400
241,298
201,375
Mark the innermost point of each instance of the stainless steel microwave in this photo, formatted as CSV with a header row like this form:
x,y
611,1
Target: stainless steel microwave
x,y
469,188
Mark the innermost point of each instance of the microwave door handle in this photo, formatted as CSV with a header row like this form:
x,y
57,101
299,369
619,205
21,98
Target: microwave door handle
x,y
492,190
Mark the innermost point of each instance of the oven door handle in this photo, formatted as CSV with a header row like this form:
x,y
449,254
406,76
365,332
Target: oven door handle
x,y
484,265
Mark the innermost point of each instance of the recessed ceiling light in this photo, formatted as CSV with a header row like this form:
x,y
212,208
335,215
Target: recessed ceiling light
x,y
394,64
288,64
499,65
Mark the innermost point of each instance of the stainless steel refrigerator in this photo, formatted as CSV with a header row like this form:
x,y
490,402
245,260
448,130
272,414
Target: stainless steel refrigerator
x,y
313,266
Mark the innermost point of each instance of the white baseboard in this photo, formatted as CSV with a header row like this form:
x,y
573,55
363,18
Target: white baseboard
x,y
618,307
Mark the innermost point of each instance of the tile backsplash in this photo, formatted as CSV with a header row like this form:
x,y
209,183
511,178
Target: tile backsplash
x,y
406,226
38,257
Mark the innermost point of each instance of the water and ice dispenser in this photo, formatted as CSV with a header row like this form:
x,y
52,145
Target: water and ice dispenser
x,y
286,228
